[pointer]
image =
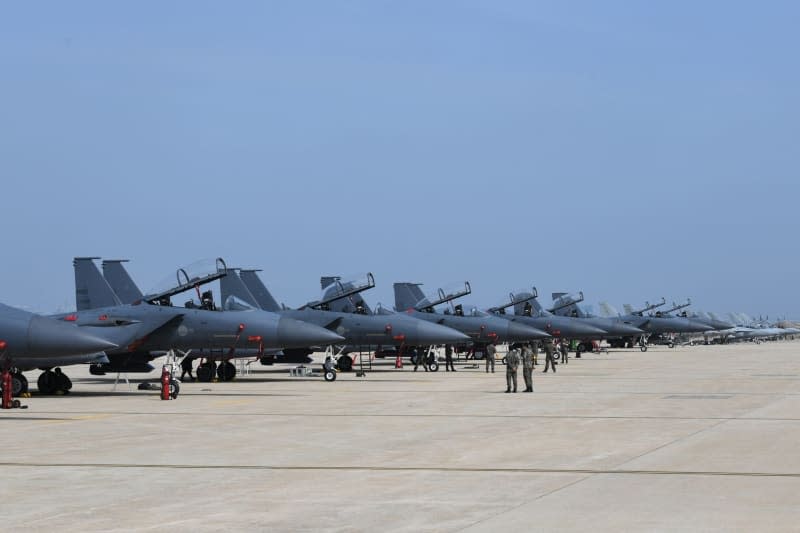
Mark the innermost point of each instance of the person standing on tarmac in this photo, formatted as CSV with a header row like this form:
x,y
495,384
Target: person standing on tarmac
x,y
564,347
548,355
512,363
527,367
186,367
448,358
490,353
535,352
420,358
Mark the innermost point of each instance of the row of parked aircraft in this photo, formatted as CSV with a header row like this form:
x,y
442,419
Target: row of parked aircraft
x,y
117,328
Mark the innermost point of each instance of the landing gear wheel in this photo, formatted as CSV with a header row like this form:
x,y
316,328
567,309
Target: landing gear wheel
x,y
643,347
205,372
433,366
226,371
47,382
174,388
19,384
330,375
345,364
671,344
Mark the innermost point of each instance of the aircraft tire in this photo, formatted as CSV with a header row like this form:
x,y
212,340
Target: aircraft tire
x,y
643,348
47,382
434,366
205,372
345,363
174,388
19,384
330,375
226,371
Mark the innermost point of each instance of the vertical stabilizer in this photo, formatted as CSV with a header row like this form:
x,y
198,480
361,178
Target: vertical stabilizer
x,y
91,289
259,291
232,285
407,296
120,281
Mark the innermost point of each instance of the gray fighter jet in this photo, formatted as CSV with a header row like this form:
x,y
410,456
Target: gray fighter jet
x,y
159,326
661,322
29,341
528,311
482,328
713,324
362,331
567,305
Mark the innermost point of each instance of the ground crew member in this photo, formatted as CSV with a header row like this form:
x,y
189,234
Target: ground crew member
x,y
490,353
564,351
535,350
512,362
63,383
420,358
448,358
548,355
527,367
186,367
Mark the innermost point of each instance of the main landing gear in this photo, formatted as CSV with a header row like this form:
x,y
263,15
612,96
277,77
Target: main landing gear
x,y
225,371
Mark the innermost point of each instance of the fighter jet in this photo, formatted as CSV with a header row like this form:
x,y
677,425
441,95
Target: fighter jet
x,y
201,327
711,323
658,323
527,310
567,305
752,330
29,341
362,331
482,328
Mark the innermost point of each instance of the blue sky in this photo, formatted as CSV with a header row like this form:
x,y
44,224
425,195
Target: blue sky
x,y
631,150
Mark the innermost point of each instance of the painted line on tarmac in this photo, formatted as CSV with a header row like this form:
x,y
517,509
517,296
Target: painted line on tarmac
x,y
106,414
582,471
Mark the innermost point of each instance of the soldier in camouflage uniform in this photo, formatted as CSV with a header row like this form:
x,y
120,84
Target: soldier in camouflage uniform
x,y
548,351
564,348
490,353
527,367
512,362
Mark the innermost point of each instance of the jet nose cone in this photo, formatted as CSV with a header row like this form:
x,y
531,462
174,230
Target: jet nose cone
x,y
297,334
52,337
517,332
428,334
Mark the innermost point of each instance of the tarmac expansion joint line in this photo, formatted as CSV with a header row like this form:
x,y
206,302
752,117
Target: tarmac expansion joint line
x,y
477,470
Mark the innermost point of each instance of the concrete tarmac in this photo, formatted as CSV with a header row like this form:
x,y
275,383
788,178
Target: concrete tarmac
x,y
700,438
